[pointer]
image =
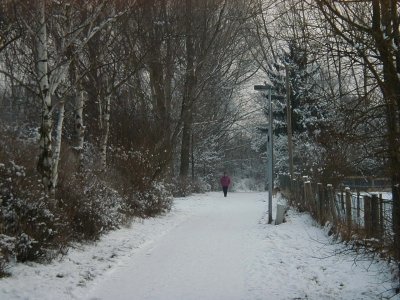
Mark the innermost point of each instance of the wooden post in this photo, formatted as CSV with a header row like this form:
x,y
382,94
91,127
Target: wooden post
x,y
326,205
367,215
304,205
295,192
374,216
331,203
314,195
396,217
358,208
337,201
342,199
308,196
381,218
305,200
320,203
348,208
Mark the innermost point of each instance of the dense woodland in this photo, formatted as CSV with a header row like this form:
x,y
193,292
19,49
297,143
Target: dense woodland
x,y
108,109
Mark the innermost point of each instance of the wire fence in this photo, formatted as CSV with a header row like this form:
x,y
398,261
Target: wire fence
x,y
362,216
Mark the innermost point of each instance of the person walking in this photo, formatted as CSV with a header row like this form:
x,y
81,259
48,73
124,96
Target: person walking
x,y
225,182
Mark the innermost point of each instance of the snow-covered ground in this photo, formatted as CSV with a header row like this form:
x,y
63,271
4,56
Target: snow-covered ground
x,y
208,247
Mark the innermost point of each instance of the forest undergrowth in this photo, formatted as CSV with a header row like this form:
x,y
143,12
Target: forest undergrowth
x,y
36,226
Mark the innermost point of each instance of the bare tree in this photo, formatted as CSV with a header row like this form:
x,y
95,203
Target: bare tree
x,y
215,50
45,163
10,28
374,39
51,73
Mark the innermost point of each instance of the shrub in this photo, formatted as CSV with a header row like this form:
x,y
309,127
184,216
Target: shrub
x,y
155,200
185,187
25,213
182,187
34,226
89,206
136,177
200,186
27,248
7,246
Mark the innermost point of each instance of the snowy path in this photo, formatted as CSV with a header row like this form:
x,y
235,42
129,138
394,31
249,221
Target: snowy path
x,y
209,247
224,251
206,257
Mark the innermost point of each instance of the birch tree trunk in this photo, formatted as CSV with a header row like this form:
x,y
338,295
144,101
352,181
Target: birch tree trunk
x,y
57,147
44,165
104,140
78,126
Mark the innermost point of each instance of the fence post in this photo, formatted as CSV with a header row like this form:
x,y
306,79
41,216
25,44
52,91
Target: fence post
x,y
395,217
326,206
342,203
367,215
374,216
320,197
294,193
358,208
381,218
304,203
308,196
331,203
305,199
348,208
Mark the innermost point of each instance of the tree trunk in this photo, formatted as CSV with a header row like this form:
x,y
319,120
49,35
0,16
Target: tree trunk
x,y
385,22
170,143
78,126
57,147
187,102
106,131
44,165
185,148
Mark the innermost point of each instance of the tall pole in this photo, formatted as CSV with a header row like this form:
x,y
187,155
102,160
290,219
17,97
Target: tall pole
x,y
289,125
270,147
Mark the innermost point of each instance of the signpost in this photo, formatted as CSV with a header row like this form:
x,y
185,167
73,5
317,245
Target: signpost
x,y
270,148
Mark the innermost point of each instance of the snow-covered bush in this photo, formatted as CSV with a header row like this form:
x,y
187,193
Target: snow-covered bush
x,y
155,200
136,175
27,248
247,184
181,187
25,214
90,207
200,186
33,226
7,245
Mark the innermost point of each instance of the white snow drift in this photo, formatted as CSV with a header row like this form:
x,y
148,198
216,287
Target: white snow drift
x,y
208,247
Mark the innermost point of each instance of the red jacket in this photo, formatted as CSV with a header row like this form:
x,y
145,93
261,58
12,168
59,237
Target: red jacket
x,y
225,181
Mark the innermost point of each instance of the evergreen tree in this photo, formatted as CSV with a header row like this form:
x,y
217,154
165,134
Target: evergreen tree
x,y
306,112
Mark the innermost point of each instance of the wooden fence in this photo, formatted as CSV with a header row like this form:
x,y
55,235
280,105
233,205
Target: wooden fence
x,y
354,215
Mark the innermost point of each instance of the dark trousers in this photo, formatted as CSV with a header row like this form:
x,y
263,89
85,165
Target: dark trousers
x,y
225,189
